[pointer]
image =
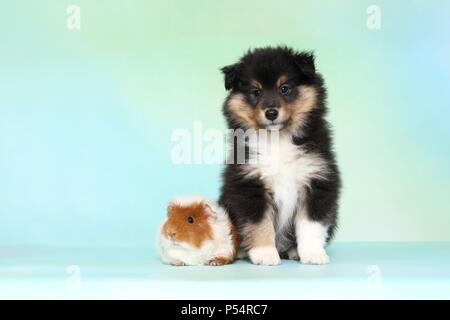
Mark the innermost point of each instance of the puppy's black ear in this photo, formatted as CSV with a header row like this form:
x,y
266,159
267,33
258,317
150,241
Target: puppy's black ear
x,y
305,63
231,76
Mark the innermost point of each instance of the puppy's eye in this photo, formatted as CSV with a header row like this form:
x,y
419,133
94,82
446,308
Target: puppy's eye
x,y
285,89
190,220
257,93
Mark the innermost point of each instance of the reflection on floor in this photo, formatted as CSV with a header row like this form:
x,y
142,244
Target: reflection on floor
x,y
357,271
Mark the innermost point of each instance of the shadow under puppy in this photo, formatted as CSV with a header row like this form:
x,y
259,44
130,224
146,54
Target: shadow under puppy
x,y
197,232
286,201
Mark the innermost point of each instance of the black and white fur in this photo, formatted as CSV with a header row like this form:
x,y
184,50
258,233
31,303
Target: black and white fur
x,y
287,203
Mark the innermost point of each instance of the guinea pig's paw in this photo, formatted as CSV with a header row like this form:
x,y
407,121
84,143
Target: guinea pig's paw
x,y
219,261
313,256
267,256
178,263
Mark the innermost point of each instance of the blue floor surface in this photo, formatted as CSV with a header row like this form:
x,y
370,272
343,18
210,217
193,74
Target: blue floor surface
x,y
357,271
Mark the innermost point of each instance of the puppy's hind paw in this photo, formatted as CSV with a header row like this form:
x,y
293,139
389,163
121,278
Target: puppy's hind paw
x,y
293,254
266,256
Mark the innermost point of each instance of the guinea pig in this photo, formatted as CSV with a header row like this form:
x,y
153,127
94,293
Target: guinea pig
x,y
197,232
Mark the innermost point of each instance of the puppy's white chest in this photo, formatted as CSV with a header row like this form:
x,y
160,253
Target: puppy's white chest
x,y
285,168
284,186
279,170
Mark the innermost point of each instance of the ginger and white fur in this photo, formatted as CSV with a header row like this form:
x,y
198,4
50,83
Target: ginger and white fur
x,y
221,249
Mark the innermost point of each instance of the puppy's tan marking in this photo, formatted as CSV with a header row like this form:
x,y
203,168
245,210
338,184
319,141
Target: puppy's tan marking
x,y
300,108
241,112
256,84
260,234
281,80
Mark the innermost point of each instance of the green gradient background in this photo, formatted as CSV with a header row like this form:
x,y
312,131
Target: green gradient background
x,y
86,116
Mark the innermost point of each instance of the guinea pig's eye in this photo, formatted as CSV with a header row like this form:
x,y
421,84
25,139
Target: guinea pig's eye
x,y
285,89
257,93
190,220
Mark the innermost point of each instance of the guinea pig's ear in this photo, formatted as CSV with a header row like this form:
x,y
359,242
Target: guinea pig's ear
x,y
305,64
231,76
210,210
170,206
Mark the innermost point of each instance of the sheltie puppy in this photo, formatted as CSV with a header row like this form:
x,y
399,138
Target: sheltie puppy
x,y
286,202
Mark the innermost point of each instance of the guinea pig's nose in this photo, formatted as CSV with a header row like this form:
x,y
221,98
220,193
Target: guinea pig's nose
x,y
171,235
271,114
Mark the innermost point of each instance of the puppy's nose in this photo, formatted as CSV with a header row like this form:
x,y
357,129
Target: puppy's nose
x,y
271,114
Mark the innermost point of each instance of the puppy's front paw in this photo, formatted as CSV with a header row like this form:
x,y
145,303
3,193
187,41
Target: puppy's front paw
x,y
267,256
313,255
